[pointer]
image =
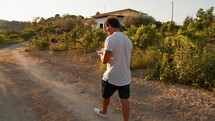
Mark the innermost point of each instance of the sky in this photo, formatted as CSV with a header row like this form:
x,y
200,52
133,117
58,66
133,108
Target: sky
x,y
161,10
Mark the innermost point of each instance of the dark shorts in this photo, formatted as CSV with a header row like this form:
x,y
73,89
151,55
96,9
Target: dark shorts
x,y
109,89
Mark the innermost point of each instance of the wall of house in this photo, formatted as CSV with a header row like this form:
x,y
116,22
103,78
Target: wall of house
x,y
124,13
100,21
127,13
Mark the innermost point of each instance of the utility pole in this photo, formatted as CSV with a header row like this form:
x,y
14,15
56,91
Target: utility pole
x,y
104,8
172,9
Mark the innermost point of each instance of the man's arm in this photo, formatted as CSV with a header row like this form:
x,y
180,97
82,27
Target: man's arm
x,y
105,58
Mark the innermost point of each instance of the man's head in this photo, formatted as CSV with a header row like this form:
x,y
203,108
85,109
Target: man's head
x,y
112,24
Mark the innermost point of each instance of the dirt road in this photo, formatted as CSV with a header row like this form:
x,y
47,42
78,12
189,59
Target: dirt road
x,y
30,91
38,86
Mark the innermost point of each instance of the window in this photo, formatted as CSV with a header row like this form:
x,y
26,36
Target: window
x,y
101,25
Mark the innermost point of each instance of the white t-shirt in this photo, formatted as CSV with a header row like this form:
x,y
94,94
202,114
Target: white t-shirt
x,y
118,69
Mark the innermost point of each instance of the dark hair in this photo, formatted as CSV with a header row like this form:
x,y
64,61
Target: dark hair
x,y
114,22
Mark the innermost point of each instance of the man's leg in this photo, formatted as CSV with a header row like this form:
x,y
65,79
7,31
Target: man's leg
x,y
107,91
125,109
105,102
124,94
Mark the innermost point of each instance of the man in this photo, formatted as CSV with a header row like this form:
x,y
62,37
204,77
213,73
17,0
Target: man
x,y
117,56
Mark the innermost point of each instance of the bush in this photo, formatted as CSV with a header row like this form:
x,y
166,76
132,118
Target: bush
x,y
2,40
185,62
141,59
145,36
40,44
58,46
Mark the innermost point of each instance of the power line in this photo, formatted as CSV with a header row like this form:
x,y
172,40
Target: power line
x,y
160,7
171,3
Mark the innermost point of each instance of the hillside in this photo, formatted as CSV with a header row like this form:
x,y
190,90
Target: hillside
x,y
12,25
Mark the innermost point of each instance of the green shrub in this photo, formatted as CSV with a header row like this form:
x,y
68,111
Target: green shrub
x,y
185,62
2,40
41,44
145,37
27,34
62,46
144,59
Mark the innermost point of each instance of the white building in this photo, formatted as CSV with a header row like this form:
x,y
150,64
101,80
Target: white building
x,y
100,18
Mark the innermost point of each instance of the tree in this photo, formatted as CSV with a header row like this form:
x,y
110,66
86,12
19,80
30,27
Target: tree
x,y
170,27
137,20
42,22
204,18
97,13
187,21
145,36
91,23
57,15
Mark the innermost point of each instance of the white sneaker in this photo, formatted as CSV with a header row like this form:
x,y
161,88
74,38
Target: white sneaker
x,y
100,114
